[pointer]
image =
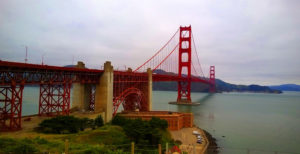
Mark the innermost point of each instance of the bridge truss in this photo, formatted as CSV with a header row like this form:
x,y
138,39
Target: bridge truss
x,y
55,86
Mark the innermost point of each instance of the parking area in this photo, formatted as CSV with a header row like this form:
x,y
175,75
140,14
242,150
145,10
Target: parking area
x,y
188,139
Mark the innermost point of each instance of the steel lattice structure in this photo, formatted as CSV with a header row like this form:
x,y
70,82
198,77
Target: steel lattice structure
x,y
55,85
54,99
130,90
92,96
11,106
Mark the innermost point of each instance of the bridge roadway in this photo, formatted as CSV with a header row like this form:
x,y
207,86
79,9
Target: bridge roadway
x,y
40,74
22,73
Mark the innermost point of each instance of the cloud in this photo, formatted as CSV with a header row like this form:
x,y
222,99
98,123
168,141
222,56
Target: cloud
x,y
248,41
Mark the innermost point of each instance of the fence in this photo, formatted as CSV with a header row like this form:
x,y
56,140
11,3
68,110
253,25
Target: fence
x,y
230,150
136,149
183,149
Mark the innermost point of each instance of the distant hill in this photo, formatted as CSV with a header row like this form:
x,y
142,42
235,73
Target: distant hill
x,y
228,87
221,86
286,87
70,66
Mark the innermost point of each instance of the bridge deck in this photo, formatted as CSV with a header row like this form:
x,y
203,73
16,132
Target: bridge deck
x,y
36,74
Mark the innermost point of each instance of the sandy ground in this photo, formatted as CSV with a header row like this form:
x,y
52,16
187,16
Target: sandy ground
x,y
189,140
30,122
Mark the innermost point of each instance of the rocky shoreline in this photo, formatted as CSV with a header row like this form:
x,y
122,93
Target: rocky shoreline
x,y
213,146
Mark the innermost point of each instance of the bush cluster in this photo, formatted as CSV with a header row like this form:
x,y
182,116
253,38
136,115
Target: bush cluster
x,y
40,145
140,131
23,146
68,124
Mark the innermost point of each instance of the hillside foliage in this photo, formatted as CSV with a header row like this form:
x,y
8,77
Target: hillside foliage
x,y
142,131
68,124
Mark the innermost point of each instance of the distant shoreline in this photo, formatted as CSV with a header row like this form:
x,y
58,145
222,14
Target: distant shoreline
x,y
254,92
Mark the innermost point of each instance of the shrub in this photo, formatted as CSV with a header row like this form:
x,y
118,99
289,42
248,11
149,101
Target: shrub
x,y
83,123
65,124
92,149
99,121
119,120
158,123
40,140
8,145
140,131
91,123
23,147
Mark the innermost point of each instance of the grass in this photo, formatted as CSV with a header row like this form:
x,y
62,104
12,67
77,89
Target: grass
x,y
108,135
89,141
27,145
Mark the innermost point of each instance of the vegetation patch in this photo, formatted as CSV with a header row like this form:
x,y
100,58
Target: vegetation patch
x,y
68,124
107,135
39,145
107,139
26,145
152,132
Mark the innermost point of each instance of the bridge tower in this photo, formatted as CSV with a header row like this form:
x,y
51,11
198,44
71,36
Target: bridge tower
x,y
212,87
184,69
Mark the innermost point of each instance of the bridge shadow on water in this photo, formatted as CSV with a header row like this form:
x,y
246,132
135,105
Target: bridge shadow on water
x,y
202,101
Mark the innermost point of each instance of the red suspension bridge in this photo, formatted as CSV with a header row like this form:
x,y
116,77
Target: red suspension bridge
x,y
103,90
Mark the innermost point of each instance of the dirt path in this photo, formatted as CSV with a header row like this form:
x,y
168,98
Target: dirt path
x,y
189,140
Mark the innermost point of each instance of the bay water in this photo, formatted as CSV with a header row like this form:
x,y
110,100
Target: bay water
x,y
244,122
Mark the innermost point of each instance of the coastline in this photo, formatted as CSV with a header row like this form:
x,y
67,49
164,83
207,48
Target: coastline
x,y
188,140
212,146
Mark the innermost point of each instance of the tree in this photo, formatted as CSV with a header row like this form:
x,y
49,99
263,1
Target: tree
x,y
65,124
141,131
158,123
119,120
99,121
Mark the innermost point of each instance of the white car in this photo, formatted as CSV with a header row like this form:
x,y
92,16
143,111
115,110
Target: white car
x,y
199,137
196,133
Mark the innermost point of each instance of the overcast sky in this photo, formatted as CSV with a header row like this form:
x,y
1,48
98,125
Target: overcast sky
x,y
254,41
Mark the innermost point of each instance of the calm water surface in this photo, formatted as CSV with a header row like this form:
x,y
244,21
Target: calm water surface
x,y
258,122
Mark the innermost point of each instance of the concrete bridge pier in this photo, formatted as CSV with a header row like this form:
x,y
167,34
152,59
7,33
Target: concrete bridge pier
x,y
149,91
104,92
81,93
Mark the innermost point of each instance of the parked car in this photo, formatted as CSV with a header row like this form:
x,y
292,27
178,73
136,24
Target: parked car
x,y
196,133
199,141
199,137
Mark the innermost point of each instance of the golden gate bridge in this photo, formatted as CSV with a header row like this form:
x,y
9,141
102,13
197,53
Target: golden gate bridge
x,y
178,58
